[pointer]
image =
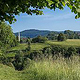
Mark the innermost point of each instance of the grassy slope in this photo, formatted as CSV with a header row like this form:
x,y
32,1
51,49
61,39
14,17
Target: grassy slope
x,y
34,46
39,46
8,73
69,42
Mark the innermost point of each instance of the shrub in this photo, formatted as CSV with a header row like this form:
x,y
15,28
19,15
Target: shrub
x,y
61,37
39,39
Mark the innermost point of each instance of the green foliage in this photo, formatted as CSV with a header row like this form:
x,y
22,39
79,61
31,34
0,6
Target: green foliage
x,y
18,62
39,39
71,34
71,51
61,37
7,38
33,33
11,8
52,36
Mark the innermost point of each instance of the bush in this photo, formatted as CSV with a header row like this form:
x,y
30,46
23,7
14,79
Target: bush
x,y
19,61
61,37
70,52
39,39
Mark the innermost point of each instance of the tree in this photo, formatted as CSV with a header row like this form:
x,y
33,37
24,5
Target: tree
x,y
69,34
52,36
61,37
10,8
29,44
39,39
7,38
19,61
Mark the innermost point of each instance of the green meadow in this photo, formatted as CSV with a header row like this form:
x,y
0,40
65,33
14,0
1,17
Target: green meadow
x,y
45,69
39,46
34,46
68,42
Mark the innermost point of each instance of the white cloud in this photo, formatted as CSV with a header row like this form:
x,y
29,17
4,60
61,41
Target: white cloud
x,y
36,16
50,16
60,17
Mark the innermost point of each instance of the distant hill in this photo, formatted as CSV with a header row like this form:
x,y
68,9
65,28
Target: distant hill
x,y
33,33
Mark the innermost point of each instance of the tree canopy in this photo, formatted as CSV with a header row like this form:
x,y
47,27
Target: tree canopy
x,y
10,8
61,37
7,38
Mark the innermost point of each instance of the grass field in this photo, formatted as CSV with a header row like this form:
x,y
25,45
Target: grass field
x,y
38,46
8,73
46,69
68,42
34,46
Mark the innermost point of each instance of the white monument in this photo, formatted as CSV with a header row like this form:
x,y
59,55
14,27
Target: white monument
x,y
19,36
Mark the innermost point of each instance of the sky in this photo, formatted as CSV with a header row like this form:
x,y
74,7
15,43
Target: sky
x,y
58,20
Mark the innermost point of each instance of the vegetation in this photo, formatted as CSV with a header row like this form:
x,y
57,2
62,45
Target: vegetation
x,y
68,42
61,37
41,60
71,34
8,73
39,39
34,62
46,69
7,38
9,10
33,33
59,69
51,35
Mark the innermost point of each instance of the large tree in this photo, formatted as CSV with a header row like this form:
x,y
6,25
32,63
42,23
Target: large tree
x,y
10,8
7,38
61,37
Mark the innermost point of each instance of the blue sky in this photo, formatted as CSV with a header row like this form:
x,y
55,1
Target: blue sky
x,y
58,20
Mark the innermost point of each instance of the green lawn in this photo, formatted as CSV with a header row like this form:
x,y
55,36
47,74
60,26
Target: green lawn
x,y
34,46
68,42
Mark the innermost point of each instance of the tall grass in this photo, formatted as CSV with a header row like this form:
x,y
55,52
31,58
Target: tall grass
x,y
48,69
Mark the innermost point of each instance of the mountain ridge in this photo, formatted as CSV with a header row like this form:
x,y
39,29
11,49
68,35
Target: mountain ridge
x,y
35,32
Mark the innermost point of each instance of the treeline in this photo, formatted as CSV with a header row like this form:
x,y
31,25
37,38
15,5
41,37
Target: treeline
x,y
68,34
59,36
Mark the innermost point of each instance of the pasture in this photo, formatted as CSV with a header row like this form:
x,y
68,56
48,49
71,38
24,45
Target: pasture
x,y
39,46
34,46
68,42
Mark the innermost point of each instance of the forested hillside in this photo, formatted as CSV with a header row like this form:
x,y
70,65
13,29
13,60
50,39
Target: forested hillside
x,y
33,33
52,35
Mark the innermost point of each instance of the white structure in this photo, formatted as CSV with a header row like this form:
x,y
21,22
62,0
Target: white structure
x,y
19,36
